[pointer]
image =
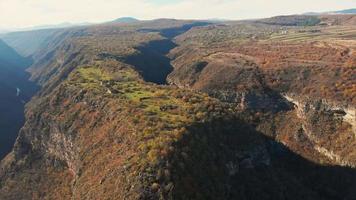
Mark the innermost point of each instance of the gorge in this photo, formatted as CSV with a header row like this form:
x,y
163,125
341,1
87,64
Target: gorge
x,y
183,109
16,90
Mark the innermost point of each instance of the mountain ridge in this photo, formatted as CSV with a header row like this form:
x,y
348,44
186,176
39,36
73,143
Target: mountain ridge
x,y
126,20
346,11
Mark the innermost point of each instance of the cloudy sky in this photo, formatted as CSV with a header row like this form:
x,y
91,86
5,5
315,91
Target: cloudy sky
x,y
27,13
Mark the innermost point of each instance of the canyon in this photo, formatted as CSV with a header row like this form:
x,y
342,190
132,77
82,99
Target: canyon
x,y
184,109
15,91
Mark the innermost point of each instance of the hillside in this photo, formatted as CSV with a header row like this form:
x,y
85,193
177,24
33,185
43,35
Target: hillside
x,y
181,109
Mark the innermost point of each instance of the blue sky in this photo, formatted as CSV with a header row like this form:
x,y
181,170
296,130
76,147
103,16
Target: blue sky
x,y
27,13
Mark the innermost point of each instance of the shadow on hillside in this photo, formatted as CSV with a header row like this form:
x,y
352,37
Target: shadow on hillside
x,y
173,32
15,91
259,167
152,62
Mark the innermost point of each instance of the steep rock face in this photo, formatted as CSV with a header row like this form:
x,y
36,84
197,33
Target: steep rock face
x,y
328,127
27,43
15,90
350,117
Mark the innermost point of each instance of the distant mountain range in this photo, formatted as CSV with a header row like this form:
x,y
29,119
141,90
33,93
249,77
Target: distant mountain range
x,y
132,20
53,26
42,27
125,20
347,11
61,25
66,25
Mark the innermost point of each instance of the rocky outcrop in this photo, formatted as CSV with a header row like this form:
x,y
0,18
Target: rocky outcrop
x,y
265,101
329,127
350,117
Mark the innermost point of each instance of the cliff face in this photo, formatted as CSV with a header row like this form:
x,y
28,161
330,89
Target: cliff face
x,y
15,90
234,127
329,128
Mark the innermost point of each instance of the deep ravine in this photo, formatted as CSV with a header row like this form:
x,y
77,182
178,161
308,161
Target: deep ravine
x,y
152,61
15,90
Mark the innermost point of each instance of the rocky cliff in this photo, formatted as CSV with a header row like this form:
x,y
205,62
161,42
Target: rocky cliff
x,y
330,128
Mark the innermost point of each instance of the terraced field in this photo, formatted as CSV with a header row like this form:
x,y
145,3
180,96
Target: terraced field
x,y
315,34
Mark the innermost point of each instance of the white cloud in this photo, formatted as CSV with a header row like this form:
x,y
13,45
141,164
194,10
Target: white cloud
x,y
22,13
